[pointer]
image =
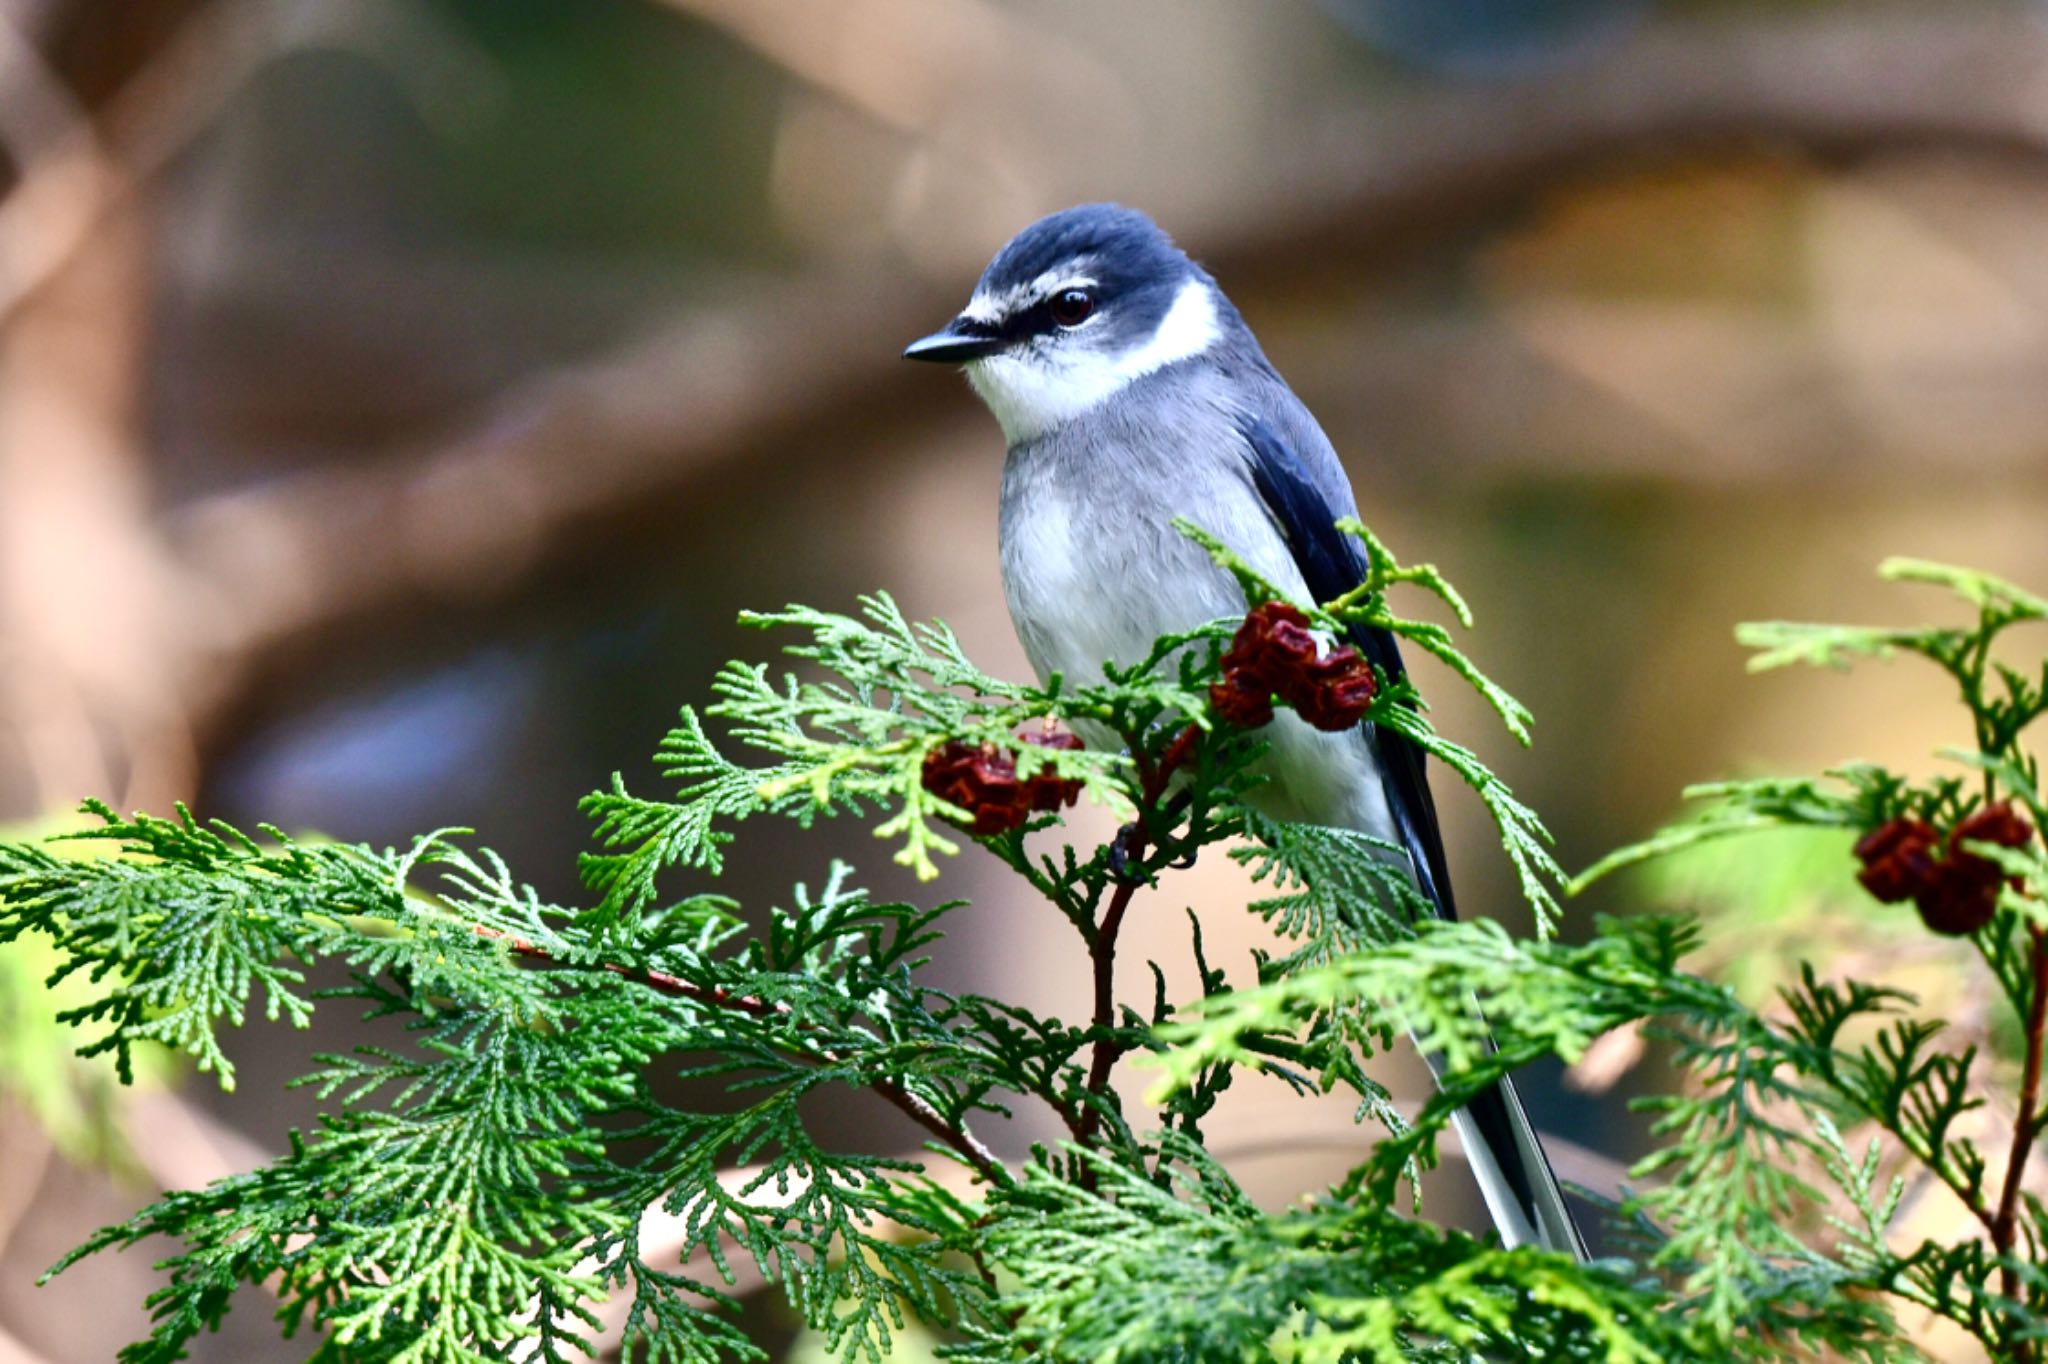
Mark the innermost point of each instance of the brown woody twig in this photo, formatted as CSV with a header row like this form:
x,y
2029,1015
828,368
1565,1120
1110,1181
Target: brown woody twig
x,y
1102,948
2023,1124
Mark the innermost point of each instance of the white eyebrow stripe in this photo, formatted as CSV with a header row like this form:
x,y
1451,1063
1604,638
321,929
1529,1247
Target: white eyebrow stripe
x,y
986,307
991,308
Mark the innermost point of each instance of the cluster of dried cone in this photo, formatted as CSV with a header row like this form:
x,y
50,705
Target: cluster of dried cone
x,y
982,780
1274,653
1955,891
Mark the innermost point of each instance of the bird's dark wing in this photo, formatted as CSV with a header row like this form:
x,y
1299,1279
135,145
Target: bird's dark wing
x,y
1332,563
1500,1137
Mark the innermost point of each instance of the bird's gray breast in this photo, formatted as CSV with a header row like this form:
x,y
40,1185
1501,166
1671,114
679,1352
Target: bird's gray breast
x,y
1092,565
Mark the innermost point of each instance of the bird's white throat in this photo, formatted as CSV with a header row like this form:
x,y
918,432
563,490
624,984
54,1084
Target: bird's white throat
x,y
1036,391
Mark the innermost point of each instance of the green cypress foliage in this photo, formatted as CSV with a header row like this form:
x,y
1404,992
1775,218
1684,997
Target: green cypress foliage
x,y
471,1193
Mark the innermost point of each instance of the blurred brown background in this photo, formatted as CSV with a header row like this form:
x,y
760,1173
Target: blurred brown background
x,y
399,398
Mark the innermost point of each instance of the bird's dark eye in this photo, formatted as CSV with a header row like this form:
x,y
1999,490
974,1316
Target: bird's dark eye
x,y
1071,307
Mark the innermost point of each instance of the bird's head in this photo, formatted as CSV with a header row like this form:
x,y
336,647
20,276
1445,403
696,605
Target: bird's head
x,y
1074,308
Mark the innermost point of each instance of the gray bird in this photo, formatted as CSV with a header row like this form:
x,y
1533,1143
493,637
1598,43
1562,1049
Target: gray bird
x,y
1130,392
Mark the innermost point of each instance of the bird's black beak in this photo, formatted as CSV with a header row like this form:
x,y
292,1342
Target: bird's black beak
x,y
960,341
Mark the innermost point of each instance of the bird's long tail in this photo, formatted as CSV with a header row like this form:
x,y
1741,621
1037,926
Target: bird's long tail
x,y
1515,1178
1514,1175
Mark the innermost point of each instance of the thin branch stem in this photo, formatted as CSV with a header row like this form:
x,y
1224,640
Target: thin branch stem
x,y
2023,1123
955,1135
1152,782
1103,956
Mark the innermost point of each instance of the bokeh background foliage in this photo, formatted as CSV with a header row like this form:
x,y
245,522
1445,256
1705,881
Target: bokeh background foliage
x,y
399,399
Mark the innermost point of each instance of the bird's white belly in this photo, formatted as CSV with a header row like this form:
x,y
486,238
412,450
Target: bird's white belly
x,y
1092,602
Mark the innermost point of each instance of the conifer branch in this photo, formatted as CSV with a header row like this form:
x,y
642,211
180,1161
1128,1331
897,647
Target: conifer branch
x,y
471,1196
957,1136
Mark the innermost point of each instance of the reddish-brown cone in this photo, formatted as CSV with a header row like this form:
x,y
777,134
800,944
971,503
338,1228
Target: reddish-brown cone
x,y
1239,701
1898,858
1334,693
1998,823
1046,791
1960,896
1275,652
982,780
1955,890
1272,646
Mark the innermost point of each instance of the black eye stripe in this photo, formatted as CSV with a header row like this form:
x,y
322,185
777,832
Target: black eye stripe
x,y
1036,320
